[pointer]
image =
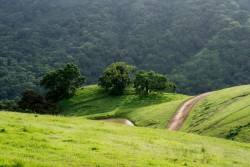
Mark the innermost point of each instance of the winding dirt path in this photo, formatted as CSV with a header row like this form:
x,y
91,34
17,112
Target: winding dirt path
x,y
181,114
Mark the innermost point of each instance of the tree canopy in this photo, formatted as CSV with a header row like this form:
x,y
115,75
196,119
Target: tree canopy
x,y
62,82
116,78
146,82
169,37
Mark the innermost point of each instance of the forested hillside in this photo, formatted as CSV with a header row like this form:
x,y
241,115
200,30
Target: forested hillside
x,y
202,44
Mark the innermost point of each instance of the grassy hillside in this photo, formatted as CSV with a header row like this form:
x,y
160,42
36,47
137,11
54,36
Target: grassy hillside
x,y
35,140
152,111
225,113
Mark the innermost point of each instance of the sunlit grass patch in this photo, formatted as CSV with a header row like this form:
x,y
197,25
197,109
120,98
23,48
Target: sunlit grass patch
x,y
82,142
154,110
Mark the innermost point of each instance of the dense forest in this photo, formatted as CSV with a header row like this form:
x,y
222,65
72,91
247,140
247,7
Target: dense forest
x,y
202,45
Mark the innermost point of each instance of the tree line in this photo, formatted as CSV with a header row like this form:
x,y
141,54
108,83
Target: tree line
x,y
63,83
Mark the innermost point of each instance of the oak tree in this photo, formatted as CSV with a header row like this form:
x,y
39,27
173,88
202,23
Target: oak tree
x,y
116,78
62,82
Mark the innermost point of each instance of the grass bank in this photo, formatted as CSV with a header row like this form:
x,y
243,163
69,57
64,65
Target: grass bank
x,y
224,113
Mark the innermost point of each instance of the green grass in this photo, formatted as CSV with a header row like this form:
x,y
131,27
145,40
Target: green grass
x,y
36,140
225,113
154,110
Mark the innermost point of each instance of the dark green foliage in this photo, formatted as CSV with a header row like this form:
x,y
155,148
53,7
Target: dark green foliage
x,y
116,78
235,131
146,82
35,103
31,100
2,130
223,63
62,82
9,105
50,108
164,36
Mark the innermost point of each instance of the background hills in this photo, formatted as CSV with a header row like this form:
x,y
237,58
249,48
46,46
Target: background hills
x,y
203,45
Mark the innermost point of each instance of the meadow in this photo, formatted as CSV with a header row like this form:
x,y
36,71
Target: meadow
x,y
154,110
44,140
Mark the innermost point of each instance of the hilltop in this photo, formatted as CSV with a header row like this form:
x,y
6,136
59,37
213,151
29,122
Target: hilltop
x,y
40,140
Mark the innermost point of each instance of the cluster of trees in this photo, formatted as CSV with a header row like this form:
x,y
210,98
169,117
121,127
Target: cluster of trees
x,y
146,82
173,37
117,77
60,83
63,82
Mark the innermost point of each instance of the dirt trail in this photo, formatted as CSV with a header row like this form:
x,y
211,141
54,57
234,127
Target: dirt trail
x,y
181,114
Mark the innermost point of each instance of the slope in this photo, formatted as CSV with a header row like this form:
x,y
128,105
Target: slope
x,y
154,110
36,140
224,113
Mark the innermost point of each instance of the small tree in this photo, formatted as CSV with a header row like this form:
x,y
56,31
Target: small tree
x,y
116,78
146,82
62,82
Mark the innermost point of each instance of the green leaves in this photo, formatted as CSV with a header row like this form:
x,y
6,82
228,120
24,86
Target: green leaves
x,y
116,78
62,82
146,82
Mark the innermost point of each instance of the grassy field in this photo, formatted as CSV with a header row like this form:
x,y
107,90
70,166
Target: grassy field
x,y
225,113
154,110
36,140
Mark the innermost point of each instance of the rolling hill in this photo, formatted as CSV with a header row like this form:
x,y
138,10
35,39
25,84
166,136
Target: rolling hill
x,y
40,140
92,102
224,113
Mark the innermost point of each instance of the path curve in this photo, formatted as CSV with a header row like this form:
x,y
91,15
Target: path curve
x,y
182,112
